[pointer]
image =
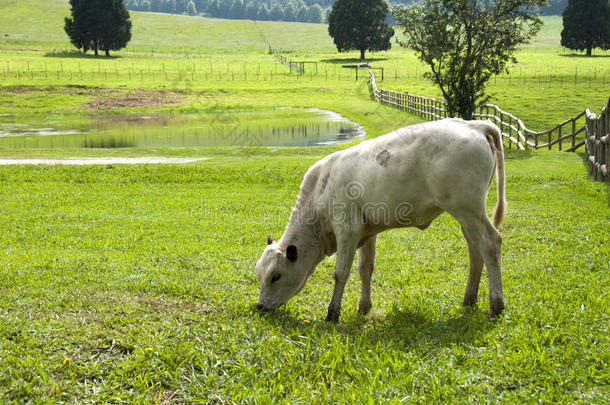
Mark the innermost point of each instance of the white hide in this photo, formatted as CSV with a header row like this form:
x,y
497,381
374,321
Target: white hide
x,y
405,178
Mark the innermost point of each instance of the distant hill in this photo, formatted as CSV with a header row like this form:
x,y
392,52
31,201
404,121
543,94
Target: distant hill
x,y
38,25
314,11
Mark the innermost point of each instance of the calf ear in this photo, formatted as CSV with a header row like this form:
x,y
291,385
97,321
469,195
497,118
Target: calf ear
x,y
291,253
269,240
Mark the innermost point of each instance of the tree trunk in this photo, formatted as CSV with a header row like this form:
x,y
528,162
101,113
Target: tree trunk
x,y
589,51
95,47
107,52
362,53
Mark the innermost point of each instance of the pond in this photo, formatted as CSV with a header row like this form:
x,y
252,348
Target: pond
x,y
268,127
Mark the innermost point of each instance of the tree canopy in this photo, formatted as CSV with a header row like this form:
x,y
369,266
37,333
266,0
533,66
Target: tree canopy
x,y
360,25
98,24
466,42
586,25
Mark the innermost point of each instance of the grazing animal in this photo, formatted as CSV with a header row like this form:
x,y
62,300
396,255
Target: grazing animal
x,y
404,178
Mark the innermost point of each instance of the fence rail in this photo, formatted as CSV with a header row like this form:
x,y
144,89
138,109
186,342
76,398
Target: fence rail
x,y
565,136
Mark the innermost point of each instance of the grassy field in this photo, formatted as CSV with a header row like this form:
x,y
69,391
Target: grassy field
x,y
136,284
225,63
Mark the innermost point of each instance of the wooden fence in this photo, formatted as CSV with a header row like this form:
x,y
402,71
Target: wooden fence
x,y
567,136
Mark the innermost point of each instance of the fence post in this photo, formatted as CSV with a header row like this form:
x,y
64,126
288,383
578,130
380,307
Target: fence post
x,y
573,133
510,133
559,137
550,137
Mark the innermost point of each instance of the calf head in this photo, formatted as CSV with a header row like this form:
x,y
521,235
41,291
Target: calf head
x,y
282,273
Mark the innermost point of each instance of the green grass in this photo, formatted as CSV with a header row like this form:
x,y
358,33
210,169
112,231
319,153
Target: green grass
x,y
136,284
143,278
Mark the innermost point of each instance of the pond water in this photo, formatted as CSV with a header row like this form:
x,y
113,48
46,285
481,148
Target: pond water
x,y
269,127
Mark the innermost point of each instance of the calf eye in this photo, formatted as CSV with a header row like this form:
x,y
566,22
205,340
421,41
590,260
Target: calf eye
x,y
275,278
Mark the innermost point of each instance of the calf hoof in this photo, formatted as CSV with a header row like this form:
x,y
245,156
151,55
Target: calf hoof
x,y
364,309
496,308
333,315
469,301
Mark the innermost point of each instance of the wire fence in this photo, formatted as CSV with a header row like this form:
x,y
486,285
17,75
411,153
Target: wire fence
x,y
565,136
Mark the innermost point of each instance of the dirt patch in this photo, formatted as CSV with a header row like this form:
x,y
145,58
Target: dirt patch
x,y
83,161
139,98
19,89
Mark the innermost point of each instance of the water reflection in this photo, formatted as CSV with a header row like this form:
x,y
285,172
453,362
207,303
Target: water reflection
x,y
271,127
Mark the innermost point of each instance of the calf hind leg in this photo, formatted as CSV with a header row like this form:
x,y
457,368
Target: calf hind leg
x,y
486,239
474,277
366,265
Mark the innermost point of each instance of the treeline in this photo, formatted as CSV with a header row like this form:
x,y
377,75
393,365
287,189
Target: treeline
x,y
270,10
555,7
315,11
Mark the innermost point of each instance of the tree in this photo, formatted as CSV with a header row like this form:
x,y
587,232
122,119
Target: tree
x,y
276,13
466,42
289,12
213,9
360,25
98,24
314,14
586,25
251,11
191,9
263,12
237,9
301,13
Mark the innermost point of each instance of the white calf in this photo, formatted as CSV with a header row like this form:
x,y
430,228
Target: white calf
x,y
405,178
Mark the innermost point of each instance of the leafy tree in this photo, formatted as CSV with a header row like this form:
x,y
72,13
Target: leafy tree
x,y
190,8
263,12
326,14
213,9
201,5
586,25
465,42
360,25
98,24
314,14
276,13
251,11
237,9
301,13
290,12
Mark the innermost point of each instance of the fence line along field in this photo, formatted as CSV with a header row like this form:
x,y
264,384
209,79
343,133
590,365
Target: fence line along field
x,y
136,283
594,133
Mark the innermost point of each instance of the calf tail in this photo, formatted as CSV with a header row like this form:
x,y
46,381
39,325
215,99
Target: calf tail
x,y
500,210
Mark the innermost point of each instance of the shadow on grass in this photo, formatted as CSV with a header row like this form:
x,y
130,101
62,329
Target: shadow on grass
x,y
352,60
580,55
79,55
402,328
585,161
514,154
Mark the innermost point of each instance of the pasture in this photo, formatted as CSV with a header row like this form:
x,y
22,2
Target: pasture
x,y
136,283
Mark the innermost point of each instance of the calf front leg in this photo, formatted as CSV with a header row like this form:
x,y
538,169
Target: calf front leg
x,y
346,250
366,265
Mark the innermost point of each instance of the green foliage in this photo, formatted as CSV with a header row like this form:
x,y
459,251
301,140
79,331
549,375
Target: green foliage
x,y
586,25
190,8
98,24
282,10
360,25
466,42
